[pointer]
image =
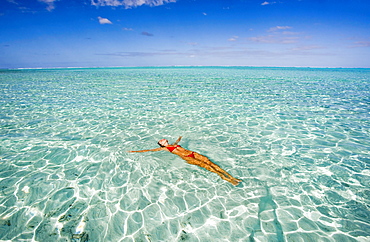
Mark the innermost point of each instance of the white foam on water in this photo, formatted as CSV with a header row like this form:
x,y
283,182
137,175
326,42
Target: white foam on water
x,y
26,189
81,226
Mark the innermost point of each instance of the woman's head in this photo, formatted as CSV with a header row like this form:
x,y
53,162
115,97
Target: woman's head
x,y
163,142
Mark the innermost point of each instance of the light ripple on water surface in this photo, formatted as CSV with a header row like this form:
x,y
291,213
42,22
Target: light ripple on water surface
x,y
299,139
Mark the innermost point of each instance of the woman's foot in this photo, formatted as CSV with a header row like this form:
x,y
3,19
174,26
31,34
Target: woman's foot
x,y
235,182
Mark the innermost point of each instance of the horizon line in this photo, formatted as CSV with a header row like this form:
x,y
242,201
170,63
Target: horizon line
x,y
167,66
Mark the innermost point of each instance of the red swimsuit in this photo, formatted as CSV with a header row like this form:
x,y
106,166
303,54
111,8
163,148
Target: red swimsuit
x,y
191,155
172,148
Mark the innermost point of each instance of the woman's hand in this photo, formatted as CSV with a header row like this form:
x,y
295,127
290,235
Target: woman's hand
x,y
178,140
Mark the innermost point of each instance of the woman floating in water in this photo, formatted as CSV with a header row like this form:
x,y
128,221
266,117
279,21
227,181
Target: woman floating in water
x,y
193,158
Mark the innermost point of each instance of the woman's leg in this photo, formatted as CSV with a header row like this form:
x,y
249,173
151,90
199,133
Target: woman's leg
x,y
214,166
213,169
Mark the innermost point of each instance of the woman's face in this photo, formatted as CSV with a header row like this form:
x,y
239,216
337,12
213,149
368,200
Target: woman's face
x,y
163,142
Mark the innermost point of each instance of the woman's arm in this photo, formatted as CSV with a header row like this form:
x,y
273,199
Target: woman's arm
x,y
177,141
157,149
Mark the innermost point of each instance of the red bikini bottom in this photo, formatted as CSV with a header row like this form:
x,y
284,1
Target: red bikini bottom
x,y
191,155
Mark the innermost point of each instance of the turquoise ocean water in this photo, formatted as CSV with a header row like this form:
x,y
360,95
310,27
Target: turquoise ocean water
x,y
298,137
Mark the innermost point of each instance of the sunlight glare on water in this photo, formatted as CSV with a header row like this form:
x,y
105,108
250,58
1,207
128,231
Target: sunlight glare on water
x,y
297,137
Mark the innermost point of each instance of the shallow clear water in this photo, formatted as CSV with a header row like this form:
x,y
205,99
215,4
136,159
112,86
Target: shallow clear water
x,y
299,139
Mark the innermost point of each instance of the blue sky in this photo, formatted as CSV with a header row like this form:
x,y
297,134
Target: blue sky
x,y
103,33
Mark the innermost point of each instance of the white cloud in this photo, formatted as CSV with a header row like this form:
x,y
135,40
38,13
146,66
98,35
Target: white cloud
x,y
362,44
12,1
50,4
263,39
290,33
273,29
278,37
267,3
192,43
130,3
307,47
104,20
275,39
147,34
234,38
